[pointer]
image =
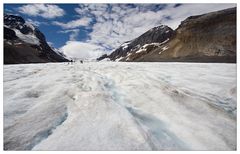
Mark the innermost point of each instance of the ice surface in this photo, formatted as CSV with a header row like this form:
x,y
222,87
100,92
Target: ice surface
x,y
120,106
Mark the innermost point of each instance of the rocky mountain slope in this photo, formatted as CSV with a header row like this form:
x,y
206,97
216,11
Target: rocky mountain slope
x,y
209,37
141,45
24,43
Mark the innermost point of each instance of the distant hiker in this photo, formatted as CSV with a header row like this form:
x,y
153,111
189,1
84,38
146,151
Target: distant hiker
x,y
81,62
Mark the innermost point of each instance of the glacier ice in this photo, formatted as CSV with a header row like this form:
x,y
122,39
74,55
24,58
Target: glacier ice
x,y
119,106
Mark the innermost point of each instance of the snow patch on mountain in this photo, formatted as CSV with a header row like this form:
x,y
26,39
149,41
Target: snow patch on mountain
x,y
105,59
28,38
118,59
163,49
28,24
125,45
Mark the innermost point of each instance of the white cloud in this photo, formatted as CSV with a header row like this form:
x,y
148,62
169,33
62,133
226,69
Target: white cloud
x,y
73,33
85,21
44,10
83,50
117,23
36,23
181,12
94,9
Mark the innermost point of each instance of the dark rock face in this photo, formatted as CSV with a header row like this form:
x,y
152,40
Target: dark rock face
x,y
154,35
102,57
14,21
9,34
19,50
22,54
209,37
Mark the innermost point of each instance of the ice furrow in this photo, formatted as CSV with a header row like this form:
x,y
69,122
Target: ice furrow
x,y
152,129
120,106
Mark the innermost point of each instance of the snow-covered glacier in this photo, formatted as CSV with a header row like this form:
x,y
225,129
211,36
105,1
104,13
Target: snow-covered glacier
x,y
120,106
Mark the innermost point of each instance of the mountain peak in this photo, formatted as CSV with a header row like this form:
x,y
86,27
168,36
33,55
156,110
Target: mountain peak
x,y
22,36
142,44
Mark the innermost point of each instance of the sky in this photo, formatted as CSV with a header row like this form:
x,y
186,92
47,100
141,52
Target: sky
x,y
90,30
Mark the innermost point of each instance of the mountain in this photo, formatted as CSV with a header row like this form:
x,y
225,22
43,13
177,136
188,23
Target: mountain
x,y
141,45
210,37
25,43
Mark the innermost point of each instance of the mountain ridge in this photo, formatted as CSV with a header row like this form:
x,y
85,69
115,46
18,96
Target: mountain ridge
x,y
210,37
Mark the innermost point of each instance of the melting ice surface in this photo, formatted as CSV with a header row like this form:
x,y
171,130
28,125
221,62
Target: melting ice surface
x,y
120,106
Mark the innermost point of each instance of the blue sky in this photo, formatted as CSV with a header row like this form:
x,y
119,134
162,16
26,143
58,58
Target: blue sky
x,y
89,30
